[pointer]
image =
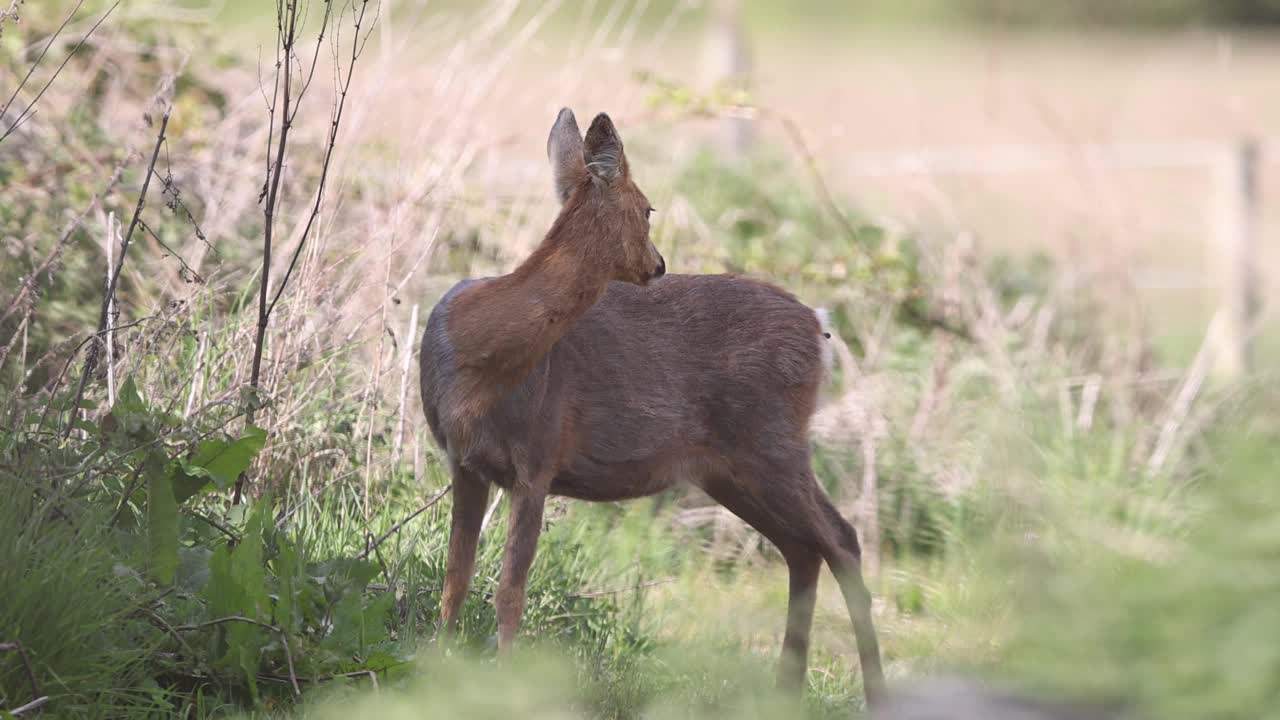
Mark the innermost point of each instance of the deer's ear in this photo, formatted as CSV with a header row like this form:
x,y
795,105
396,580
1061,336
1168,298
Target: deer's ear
x,y
564,150
603,150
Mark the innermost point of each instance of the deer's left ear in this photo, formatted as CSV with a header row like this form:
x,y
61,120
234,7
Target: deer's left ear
x,y
603,150
564,150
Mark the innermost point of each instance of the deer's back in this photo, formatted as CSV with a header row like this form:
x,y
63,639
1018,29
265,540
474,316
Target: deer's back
x,y
688,376
696,351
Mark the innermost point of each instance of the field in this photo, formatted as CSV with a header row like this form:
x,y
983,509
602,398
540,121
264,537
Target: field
x,y
1056,489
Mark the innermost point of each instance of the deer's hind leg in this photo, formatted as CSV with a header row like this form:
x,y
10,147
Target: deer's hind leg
x,y
804,562
785,503
844,556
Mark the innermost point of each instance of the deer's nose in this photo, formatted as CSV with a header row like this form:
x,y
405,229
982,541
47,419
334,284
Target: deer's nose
x,y
661,269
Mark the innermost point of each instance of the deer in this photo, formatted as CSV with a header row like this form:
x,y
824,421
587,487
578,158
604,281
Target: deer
x,y
588,372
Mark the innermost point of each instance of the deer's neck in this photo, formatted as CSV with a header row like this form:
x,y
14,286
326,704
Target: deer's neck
x,y
501,329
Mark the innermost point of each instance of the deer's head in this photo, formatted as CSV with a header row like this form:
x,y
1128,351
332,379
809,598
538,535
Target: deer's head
x,y
605,213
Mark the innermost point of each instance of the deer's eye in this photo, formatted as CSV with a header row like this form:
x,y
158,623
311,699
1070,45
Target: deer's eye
x,y
648,213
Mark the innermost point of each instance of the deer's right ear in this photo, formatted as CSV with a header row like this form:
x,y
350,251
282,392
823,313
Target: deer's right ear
x,y
564,150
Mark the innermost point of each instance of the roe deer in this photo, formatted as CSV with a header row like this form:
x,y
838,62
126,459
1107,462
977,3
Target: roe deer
x,y
587,373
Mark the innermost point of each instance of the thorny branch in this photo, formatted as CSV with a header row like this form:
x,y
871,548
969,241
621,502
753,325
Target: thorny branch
x,y
91,360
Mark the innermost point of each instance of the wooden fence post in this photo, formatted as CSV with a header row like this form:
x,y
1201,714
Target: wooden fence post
x,y
1236,244
728,68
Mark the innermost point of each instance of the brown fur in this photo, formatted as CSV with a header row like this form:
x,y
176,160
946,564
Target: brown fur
x,y
575,375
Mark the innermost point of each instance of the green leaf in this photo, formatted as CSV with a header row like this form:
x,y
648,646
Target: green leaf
x,y
130,414
193,568
288,568
224,461
237,586
357,626
189,480
343,576
128,400
237,578
162,520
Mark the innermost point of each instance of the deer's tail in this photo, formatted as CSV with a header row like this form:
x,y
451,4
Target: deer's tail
x,y
834,348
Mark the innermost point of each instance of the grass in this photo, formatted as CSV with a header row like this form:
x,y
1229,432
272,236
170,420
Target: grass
x,y
1023,536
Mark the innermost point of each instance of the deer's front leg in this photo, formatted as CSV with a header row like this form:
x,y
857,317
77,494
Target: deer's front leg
x,y
470,495
522,542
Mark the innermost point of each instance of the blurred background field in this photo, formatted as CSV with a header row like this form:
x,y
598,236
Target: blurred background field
x,y
1053,417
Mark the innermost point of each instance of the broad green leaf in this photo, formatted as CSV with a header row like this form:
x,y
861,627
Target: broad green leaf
x,y
189,480
162,520
128,400
244,651
129,414
357,626
288,568
237,578
380,660
221,590
342,575
237,586
224,461
193,568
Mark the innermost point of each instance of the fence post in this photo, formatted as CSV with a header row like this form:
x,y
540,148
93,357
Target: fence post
x,y
1236,245
728,68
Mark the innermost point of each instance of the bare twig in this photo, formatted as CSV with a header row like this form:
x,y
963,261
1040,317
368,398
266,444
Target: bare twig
x,y
284,640
619,591
287,35
372,675
187,272
157,620
1181,404
112,315
287,22
288,656
104,313
228,532
16,646
493,508
39,58
330,145
405,361
33,705
869,503
24,299
224,621
30,109
396,528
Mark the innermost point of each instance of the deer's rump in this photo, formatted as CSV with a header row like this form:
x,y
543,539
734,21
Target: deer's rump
x,y
681,379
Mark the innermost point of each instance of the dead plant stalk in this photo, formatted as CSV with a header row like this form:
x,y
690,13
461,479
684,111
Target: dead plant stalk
x,y
283,109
